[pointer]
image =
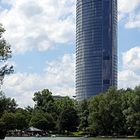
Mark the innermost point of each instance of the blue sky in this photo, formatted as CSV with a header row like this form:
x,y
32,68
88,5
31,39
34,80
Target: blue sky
x,y
42,36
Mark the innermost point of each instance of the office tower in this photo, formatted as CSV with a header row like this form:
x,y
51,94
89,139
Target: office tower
x,y
96,47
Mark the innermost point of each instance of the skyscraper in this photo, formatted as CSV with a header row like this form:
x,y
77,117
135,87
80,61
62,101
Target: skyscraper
x,y
96,46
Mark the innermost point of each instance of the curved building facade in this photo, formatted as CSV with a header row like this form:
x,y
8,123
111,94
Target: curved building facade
x,y
96,47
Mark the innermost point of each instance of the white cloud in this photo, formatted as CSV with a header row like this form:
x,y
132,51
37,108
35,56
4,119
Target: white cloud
x,y
131,59
129,76
126,7
42,24
30,22
58,76
128,11
133,21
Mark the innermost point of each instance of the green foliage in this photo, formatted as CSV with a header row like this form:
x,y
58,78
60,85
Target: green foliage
x,y
105,113
132,113
22,117
44,100
83,115
5,53
116,112
7,119
97,114
6,104
68,120
53,113
42,120
63,103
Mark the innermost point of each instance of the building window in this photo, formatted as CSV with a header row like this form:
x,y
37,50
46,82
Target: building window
x,y
106,57
106,82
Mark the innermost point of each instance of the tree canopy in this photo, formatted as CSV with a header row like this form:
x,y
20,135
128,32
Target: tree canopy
x,y
113,113
5,53
7,105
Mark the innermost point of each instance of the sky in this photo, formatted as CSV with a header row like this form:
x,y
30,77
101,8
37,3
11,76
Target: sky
x,y
42,38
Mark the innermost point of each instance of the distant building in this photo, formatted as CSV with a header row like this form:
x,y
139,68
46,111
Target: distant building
x,y
96,47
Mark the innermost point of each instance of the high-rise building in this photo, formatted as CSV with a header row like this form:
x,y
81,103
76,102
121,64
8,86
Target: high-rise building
x,y
96,46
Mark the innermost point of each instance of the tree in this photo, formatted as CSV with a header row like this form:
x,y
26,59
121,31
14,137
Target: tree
x,y
105,113
7,119
44,100
132,113
42,120
127,97
22,117
6,104
97,115
63,103
2,130
55,109
68,120
63,106
5,53
83,113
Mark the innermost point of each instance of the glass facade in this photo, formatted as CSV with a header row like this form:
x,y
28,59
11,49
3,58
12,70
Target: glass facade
x,y
96,47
